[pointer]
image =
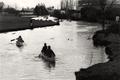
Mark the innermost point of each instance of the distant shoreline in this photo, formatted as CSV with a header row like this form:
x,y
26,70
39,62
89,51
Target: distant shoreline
x,y
10,23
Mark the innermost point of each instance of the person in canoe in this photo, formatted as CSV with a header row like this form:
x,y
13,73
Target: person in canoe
x,y
49,52
43,51
19,39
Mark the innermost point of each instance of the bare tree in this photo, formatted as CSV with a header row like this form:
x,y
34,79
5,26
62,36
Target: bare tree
x,y
104,6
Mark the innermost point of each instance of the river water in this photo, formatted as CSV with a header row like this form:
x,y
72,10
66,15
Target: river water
x,y
71,42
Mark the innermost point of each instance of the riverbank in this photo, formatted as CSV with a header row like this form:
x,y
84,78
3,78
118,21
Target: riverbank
x,y
110,39
14,23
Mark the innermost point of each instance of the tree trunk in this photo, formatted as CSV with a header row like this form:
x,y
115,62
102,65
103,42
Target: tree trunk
x,y
103,18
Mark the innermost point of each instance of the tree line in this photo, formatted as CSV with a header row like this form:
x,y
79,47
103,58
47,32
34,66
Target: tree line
x,y
99,10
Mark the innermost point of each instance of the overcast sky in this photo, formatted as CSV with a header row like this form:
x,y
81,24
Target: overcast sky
x,y
31,3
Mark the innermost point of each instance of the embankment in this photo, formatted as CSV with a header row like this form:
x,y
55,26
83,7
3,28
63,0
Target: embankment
x,y
110,39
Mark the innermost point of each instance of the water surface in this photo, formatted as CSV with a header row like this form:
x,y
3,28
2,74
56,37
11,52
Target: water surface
x,y
71,42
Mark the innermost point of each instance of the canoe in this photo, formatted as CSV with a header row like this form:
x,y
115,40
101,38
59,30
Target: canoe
x,y
19,44
52,59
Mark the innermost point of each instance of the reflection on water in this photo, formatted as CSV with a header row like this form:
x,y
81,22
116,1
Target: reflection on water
x,y
69,41
49,64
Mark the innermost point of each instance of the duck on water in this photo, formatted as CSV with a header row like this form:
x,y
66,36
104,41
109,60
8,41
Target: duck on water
x,y
47,53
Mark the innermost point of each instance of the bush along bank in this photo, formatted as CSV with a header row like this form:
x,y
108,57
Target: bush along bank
x,y
110,39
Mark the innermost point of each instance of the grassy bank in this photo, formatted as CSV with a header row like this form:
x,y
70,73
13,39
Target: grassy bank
x,y
13,23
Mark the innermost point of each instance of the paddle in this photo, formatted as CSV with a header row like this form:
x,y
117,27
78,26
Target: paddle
x,y
13,39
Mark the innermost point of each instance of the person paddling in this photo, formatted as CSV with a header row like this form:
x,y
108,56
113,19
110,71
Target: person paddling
x,y
50,52
44,48
19,39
